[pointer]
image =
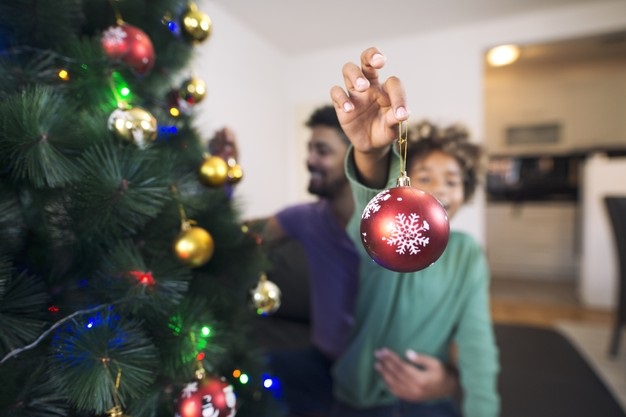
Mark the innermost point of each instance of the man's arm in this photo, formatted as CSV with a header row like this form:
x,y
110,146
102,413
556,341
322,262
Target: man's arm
x,y
273,231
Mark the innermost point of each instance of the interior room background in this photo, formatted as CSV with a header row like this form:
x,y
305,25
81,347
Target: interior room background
x,y
265,95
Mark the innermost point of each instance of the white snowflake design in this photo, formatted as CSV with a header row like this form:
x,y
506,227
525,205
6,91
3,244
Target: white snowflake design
x,y
408,234
208,410
189,389
114,35
374,205
231,400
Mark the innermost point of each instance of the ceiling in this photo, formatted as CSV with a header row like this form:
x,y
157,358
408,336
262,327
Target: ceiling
x,y
298,26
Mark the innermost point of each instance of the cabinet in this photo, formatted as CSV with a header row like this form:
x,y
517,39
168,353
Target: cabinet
x,y
533,240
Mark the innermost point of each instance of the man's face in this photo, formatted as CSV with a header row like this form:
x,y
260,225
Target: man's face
x,y
325,161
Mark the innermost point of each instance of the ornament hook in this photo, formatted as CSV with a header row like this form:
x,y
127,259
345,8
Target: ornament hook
x,y
403,144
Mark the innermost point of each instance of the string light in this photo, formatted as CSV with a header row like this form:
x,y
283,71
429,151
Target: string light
x,y
123,93
64,75
144,278
168,129
201,344
273,385
174,112
175,325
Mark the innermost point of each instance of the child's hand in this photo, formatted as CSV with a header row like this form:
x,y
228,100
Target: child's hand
x,y
369,111
416,378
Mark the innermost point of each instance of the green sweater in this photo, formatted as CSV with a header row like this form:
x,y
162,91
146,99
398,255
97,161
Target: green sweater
x,y
426,311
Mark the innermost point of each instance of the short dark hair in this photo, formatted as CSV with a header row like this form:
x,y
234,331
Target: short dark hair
x,y
326,116
426,138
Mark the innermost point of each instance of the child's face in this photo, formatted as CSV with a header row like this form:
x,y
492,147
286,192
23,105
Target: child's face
x,y
440,175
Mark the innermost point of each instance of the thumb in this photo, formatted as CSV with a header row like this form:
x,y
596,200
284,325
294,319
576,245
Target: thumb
x,y
421,360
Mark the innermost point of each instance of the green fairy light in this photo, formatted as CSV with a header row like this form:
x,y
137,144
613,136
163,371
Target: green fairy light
x,y
175,325
206,331
120,88
201,344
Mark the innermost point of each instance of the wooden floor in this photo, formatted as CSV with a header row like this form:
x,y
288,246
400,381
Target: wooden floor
x,y
540,303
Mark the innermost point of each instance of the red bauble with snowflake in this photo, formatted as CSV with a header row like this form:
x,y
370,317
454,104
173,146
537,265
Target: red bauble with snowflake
x,y
130,45
404,229
209,397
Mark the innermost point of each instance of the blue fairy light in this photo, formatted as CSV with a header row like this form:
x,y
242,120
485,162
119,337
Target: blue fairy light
x,y
272,384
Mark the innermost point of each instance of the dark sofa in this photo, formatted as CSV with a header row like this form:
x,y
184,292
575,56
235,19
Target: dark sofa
x,y
288,327
542,373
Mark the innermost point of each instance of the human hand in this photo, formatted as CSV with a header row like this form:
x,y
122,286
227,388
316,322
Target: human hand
x,y
224,144
369,112
418,378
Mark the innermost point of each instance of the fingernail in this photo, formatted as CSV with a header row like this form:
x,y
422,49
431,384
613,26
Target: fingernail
x,y
377,354
401,112
411,354
378,59
362,83
348,107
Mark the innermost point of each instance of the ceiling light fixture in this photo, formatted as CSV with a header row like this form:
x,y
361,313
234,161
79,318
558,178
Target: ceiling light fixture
x,y
503,55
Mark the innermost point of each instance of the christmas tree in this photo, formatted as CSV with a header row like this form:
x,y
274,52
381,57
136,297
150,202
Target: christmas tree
x,y
125,273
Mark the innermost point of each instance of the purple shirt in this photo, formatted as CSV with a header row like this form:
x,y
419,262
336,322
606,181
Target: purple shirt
x,y
333,272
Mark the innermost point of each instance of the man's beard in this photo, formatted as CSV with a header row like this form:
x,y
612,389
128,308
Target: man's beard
x,y
323,192
327,190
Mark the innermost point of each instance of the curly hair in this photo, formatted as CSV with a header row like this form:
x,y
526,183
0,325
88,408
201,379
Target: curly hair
x,y
426,138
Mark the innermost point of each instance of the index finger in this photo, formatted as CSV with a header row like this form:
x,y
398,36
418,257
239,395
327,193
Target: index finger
x,y
371,61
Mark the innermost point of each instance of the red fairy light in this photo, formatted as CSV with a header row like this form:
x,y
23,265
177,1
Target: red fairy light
x,y
143,277
53,309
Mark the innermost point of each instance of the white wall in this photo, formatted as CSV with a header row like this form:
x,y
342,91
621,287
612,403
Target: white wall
x,y
598,276
265,95
246,91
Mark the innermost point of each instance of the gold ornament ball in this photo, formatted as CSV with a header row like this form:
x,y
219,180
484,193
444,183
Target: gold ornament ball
x,y
117,412
194,246
213,171
196,25
266,297
135,125
235,173
193,90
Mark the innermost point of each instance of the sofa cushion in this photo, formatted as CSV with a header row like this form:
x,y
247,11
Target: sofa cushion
x,y
289,272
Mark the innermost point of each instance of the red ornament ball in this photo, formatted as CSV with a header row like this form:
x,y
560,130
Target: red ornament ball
x,y
404,229
210,397
130,45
